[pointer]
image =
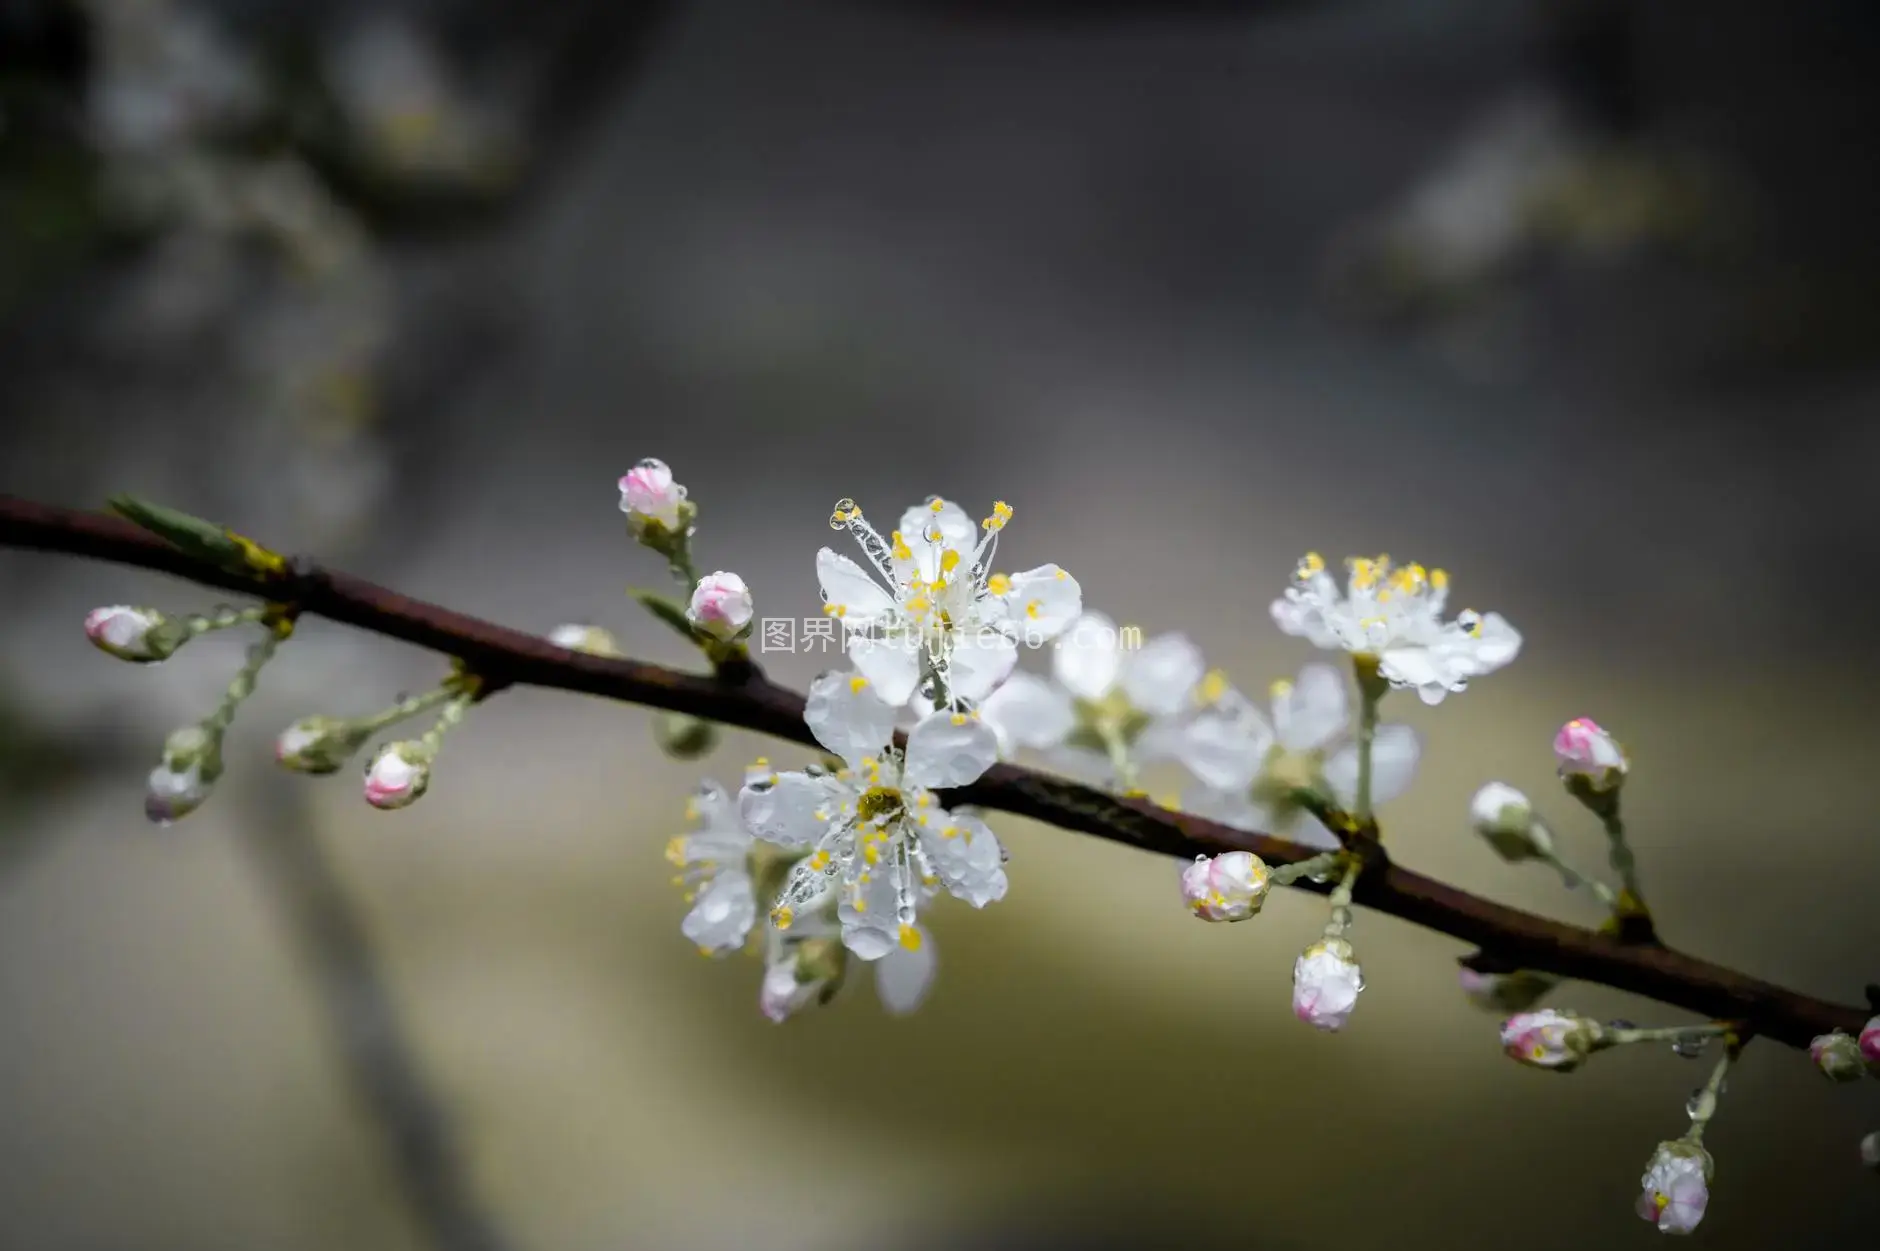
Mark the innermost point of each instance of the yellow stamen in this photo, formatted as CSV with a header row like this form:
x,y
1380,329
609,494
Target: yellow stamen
x,y
1032,609
858,684
999,584
782,917
949,561
910,938
675,850
939,505
819,861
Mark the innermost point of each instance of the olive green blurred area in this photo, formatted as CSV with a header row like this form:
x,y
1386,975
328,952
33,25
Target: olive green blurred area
x,y
869,251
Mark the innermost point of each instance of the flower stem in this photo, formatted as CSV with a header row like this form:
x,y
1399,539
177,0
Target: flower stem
x,y
223,617
1631,901
408,707
243,684
1340,920
1371,689
449,719
1669,1033
1577,880
1704,1103
1324,862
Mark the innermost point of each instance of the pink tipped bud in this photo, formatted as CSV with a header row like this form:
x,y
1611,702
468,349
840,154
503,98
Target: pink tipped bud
x,y
399,775
1676,1187
1228,887
648,494
1547,1039
192,760
1326,982
1503,816
1838,1057
1584,750
1870,1043
134,634
721,605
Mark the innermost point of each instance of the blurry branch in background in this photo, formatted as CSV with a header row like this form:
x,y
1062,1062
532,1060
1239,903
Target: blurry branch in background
x,y
378,1059
737,694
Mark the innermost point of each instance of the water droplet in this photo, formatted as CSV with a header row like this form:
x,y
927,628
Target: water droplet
x,y
1701,1106
1690,1046
1005,854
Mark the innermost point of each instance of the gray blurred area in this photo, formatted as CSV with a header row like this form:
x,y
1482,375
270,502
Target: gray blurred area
x,y
1189,286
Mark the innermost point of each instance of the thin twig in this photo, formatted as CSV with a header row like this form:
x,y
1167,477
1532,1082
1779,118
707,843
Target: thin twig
x,y
741,696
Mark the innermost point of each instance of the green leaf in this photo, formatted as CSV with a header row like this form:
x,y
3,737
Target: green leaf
x,y
667,611
202,539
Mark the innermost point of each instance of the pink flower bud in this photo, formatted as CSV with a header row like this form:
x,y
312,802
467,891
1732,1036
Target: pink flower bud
x,y
1548,1039
1870,1042
1676,1187
648,493
1228,887
1838,1057
1326,982
721,605
127,632
192,760
1587,751
397,776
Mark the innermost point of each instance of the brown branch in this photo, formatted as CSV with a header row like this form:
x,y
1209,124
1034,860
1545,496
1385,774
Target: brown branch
x,y
1508,938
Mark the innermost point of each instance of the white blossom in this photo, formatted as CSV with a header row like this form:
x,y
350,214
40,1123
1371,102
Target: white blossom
x,y
1838,1057
1105,686
1229,887
1250,765
1326,982
1547,1039
936,620
578,637
713,860
721,605
1675,1189
399,775
648,494
1870,1151
1584,750
1503,816
1392,617
127,633
872,833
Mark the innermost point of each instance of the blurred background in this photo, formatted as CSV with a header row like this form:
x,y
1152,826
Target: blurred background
x,y
1573,297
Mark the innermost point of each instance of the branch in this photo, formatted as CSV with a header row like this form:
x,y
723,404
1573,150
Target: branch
x,y
743,697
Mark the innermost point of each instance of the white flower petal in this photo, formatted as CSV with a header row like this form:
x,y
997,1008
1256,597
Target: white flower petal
x,y
1313,710
1087,660
1027,711
949,749
1395,750
978,663
1042,603
1225,752
892,664
847,585
903,977
1160,677
722,915
788,809
967,856
958,531
844,714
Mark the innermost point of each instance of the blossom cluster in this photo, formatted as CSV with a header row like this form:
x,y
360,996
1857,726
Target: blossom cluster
x,y
842,860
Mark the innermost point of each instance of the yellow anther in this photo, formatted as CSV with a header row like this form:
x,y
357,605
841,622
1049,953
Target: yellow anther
x,y
689,896
999,584
878,803
951,831
1033,609
858,684
782,917
762,762
959,718
1383,597
1280,689
932,532
949,561
871,852
859,904
678,879
675,850
928,879
1212,687
924,800
901,550
937,504
910,938
834,610
845,512
1439,579
821,814
919,604
1311,563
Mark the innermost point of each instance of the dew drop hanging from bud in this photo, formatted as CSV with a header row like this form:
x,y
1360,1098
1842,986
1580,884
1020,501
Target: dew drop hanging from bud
x,y
1690,1046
